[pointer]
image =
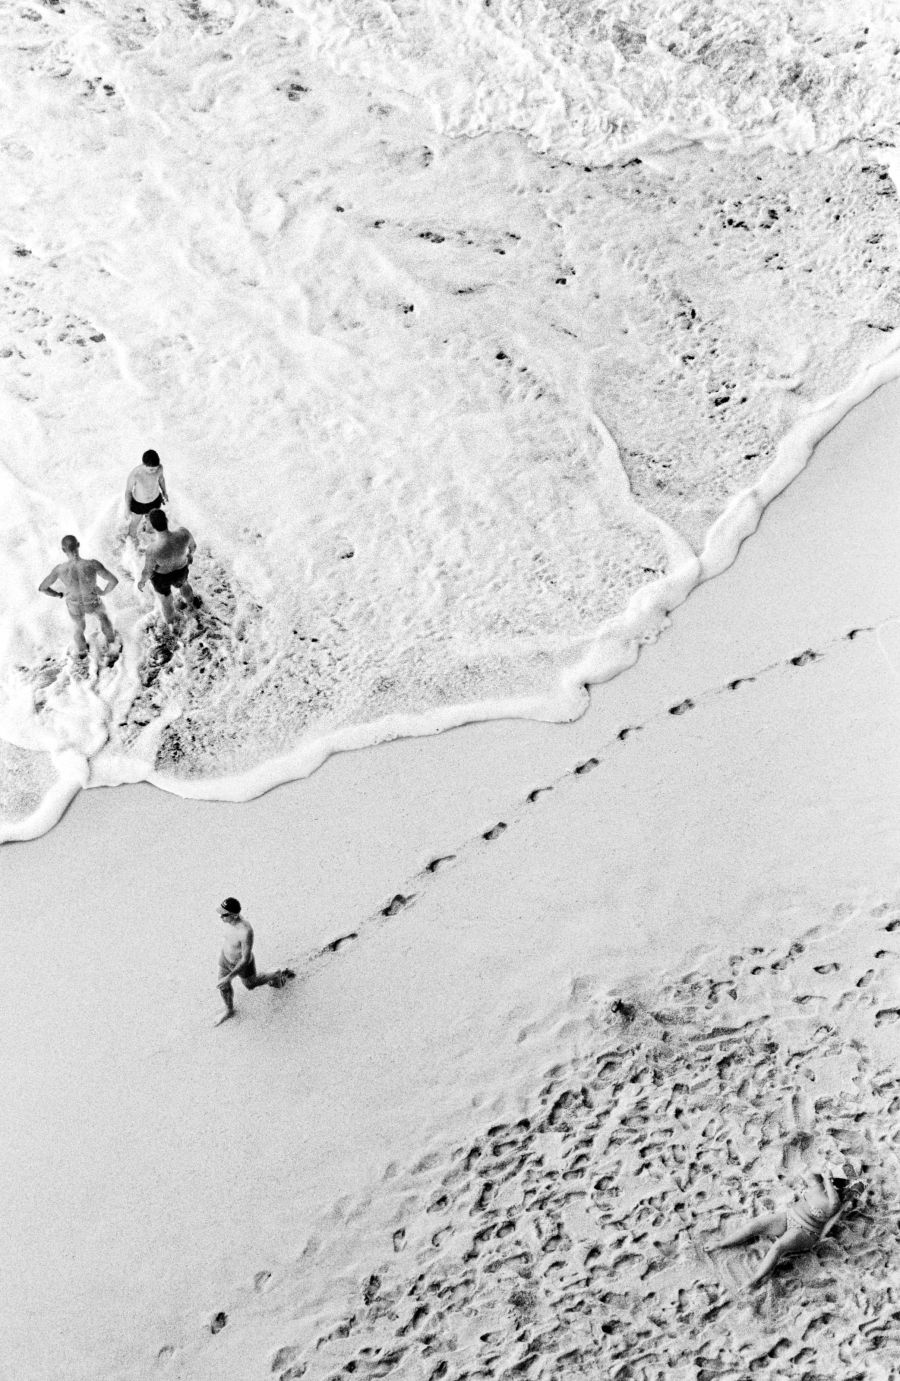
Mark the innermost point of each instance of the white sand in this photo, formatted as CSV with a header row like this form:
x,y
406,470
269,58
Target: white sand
x,y
158,1165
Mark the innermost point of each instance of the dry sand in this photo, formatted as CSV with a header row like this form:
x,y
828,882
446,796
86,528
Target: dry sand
x,y
441,1153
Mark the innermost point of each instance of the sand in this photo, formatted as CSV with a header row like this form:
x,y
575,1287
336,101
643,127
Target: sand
x,y
304,1192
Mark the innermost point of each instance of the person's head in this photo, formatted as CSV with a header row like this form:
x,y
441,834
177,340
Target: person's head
x,y
229,907
70,545
150,459
158,520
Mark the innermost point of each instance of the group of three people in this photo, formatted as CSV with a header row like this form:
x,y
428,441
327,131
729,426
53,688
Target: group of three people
x,y
167,560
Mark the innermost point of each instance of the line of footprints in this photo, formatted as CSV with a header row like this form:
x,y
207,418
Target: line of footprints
x,y
401,900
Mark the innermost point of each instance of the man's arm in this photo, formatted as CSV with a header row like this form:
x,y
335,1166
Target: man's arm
x,y
149,567
129,484
111,580
45,585
162,486
192,547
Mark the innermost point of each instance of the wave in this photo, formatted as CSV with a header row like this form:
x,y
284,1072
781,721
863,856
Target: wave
x,y
462,383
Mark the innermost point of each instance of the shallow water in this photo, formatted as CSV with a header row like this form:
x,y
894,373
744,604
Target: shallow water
x,y
458,326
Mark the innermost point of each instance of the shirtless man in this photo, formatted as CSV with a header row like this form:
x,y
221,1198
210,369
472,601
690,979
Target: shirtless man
x,y
236,959
78,578
145,491
166,564
801,1225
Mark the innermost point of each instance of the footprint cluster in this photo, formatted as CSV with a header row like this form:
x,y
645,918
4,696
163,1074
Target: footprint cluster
x,y
575,1240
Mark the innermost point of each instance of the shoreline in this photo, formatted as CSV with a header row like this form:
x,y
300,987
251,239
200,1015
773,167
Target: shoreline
x,y
735,824
614,649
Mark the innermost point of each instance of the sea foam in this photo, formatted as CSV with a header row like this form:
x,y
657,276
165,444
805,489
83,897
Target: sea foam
x,y
472,336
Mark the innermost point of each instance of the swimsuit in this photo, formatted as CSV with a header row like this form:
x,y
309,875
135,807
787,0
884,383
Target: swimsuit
x,y
801,1218
227,970
79,605
163,581
138,507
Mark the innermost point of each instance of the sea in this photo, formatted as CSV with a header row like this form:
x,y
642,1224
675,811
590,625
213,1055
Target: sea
x,y
472,335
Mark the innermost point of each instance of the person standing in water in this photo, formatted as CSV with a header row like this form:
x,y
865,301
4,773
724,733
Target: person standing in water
x,y
145,491
167,564
798,1227
78,577
237,961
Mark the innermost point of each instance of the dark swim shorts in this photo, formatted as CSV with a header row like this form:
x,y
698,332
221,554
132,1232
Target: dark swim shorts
x,y
163,581
138,507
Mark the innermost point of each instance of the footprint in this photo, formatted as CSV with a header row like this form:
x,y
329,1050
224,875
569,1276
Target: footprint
x,y
538,790
435,863
893,925
334,945
682,708
855,632
261,1279
827,968
399,1239
283,1357
740,681
396,904
373,1285
218,1321
496,831
887,1015
165,1352
587,766
804,658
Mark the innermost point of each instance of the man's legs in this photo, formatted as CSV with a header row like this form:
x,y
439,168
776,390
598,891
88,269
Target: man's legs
x,y
106,627
81,646
187,594
251,979
167,608
227,991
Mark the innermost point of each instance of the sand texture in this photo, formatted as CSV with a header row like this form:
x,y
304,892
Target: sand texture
x,y
572,1235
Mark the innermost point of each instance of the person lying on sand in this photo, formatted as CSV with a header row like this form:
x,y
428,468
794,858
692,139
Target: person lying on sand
x,y
236,959
78,577
145,491
798,1227
167,563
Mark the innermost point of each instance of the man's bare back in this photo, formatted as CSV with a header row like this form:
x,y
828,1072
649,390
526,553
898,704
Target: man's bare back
x,y
78,577
169,551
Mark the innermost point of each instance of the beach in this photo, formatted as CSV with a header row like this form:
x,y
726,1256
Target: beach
x,y
747,840
526,385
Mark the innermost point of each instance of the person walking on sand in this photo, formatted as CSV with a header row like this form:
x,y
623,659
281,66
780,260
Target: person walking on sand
x,y
78,577
798,1227
145,491
167,563
237,961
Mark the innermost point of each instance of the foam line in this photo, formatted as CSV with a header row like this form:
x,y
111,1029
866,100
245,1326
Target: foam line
x,y
618,642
